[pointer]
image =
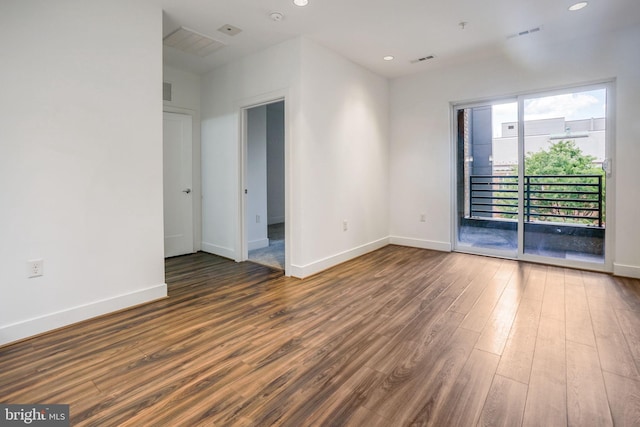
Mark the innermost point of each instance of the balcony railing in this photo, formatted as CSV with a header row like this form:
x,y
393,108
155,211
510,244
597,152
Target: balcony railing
x,y
558,198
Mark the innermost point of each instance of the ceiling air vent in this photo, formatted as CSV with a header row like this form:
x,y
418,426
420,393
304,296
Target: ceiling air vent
x,y
424,58
193,42
524,33
166,91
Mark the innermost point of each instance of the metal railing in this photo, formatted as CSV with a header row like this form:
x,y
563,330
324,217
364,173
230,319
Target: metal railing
x,y
559,198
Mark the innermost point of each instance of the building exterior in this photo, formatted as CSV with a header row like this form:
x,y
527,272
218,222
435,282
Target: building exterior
x,y
587,134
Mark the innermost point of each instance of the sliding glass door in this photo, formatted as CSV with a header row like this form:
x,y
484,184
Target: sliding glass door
x,y
531,177
487,179
564,181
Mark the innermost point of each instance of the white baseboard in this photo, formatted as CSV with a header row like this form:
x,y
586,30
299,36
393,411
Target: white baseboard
x,y
420,243
48,322
258,244
626,270
302,271
218,250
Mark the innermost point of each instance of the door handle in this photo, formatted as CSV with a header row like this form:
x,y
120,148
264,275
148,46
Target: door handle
x,y
607,167
188,190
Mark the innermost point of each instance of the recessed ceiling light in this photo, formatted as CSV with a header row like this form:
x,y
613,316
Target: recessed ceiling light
x,y
301,2
388,58
229,30
578,6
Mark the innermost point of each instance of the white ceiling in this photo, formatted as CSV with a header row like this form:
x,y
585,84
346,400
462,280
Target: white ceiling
x,y
366,30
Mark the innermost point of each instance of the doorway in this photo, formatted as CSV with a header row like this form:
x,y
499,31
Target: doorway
x,y
532,177
264,190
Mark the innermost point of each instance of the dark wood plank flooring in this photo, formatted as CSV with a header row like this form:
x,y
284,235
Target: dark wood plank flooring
x,y
398,337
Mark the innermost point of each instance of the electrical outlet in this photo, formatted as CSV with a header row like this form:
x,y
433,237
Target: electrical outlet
x,y
423,217
35,268
257,219
345,225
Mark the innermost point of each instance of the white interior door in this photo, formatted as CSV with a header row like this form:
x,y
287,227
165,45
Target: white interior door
x,y
178,197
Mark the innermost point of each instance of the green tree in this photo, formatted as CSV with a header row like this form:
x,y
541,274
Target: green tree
x,y
561,159
545,170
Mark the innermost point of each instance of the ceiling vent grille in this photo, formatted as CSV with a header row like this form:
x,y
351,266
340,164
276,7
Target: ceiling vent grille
x,y
193,42
424,58
524,33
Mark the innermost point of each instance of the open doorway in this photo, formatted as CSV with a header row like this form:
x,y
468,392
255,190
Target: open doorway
x,y
264,207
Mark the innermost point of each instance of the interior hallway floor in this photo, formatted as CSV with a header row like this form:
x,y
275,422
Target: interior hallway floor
x,y
272,255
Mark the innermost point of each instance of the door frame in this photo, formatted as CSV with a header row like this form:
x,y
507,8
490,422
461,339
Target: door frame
x,y
243,106
607,265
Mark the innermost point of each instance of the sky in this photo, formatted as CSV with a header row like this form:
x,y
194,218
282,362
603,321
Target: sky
x,y
571,106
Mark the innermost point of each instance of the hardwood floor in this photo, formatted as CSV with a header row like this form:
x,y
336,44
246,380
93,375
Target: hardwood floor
x,y
398,337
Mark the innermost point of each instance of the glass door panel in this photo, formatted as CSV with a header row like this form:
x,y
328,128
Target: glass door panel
x,y
563,188
487,179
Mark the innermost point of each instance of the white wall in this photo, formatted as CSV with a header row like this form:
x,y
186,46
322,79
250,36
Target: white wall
x,y
421,131
186,88
341,161
337,151
80,160
256,184
275,163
